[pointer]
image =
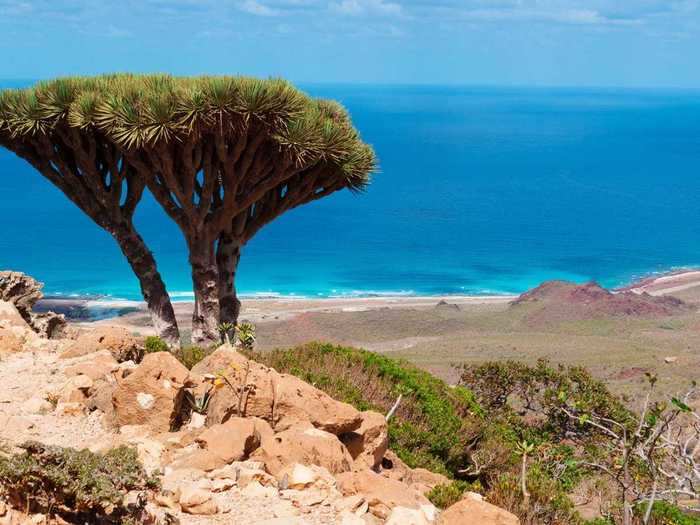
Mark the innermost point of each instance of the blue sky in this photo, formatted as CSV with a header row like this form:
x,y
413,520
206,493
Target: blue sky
x,y
507,42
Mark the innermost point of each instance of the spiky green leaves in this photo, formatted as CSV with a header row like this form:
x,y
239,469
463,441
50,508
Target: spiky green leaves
x,y
141,111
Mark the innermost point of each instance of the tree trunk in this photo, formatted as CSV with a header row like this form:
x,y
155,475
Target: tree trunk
x,y
153,289
205,282
228,254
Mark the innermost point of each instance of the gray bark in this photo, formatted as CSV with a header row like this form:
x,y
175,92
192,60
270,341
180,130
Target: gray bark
x,y
153,288
228,255
205,283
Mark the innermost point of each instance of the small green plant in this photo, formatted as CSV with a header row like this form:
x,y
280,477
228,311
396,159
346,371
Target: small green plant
x,y
524,449
155,344
226,330
199,404
79,485
245,334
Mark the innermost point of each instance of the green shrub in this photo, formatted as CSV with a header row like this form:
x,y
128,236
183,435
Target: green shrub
x,y
80,485
444,496
155,344
664,513
188,356
191,355
432,421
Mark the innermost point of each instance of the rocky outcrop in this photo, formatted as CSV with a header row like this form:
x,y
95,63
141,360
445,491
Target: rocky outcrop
x,y
368,444
419,479
235,439
24,292
15,333
303,444
152,395
383,494
282,400
117,340
473,509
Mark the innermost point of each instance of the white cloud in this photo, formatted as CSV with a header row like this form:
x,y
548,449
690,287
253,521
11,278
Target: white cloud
x,y
363,7
256,8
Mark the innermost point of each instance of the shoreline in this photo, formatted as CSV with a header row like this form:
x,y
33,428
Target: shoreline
x,y
101,309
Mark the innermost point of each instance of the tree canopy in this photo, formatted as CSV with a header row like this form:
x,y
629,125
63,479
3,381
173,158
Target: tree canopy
x,y
143,111
223,156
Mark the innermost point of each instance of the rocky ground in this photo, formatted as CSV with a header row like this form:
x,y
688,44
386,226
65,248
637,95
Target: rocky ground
x,y
266,448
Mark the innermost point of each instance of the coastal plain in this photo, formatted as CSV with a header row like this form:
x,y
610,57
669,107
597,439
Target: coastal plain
x,y
438,333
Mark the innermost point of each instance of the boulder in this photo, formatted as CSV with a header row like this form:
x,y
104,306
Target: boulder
x,y
121,344
306,486
404,516
100,398
10,316
152,394
75,389
473,509
95,366
382,494
24,292
368,444
423,480
281,399
196,500
419,479
306,445
235,439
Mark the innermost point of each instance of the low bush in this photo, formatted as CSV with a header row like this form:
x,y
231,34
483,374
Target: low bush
x,y
79,485
664,513
443,496
154,344
191,355
433,421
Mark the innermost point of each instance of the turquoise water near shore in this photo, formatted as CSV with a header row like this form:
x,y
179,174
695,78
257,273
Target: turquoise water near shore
x,y
481,191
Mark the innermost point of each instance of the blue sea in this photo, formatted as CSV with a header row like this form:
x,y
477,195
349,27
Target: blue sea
x,y
482,190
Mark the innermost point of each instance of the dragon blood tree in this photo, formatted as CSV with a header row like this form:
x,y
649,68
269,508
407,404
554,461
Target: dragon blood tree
x,y
50,126
223,156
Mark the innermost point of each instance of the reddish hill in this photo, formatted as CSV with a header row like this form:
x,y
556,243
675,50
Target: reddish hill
x,y
562,301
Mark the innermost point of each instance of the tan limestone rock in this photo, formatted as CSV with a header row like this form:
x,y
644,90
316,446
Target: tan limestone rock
x,y
473,509
151,394
382,494
306,445
196,500
96,366
235,439
368,444
281,399
121,344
